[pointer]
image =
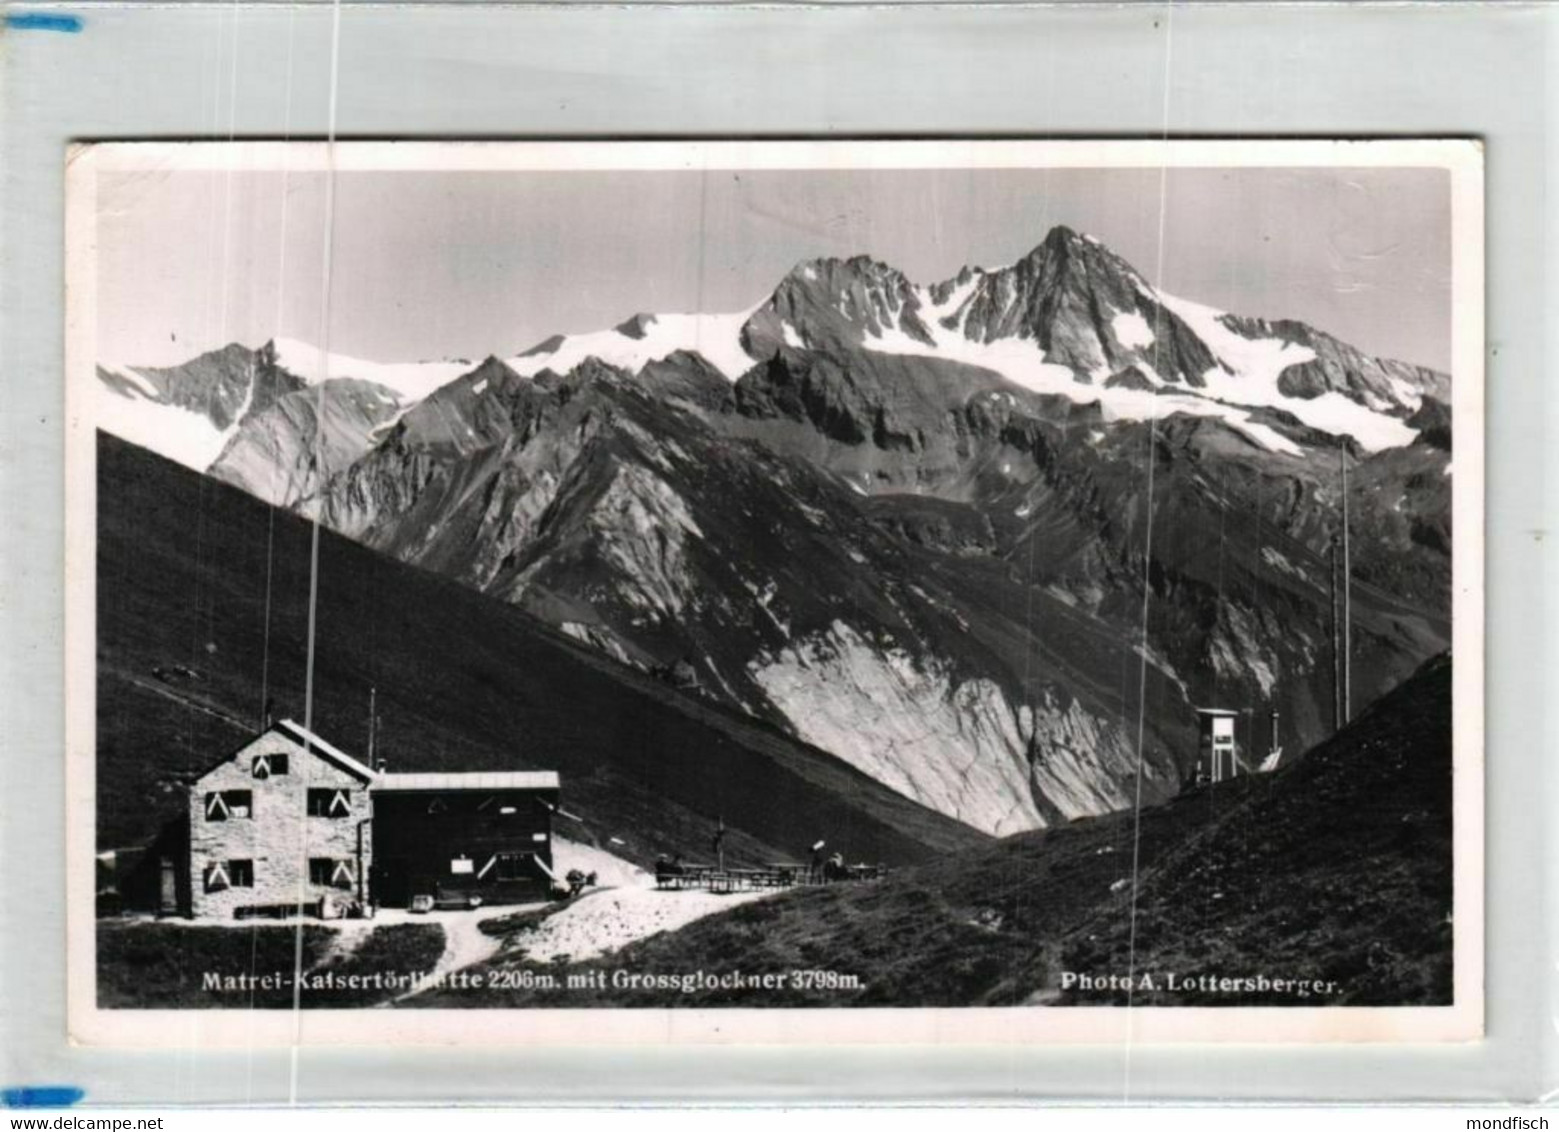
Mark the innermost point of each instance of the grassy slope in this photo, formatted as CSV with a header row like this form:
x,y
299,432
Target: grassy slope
x,y
192,573
1337,867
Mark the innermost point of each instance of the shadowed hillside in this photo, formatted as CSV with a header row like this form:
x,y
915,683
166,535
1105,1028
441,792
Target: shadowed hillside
x,y
907,524
203,616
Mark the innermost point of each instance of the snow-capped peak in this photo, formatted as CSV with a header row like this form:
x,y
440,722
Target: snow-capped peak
x,y
643,339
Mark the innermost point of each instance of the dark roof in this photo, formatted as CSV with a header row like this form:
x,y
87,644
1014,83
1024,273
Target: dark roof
x,y
331,754
472,780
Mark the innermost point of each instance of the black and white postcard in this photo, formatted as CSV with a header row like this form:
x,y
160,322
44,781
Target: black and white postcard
x,y
775,592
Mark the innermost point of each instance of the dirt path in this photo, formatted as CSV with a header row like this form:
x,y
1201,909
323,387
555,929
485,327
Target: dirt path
x,y
464,945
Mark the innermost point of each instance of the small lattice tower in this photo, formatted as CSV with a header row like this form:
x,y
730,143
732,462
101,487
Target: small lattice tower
x,y
1216,758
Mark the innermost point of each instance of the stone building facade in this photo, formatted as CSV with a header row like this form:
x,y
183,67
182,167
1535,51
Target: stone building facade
x,y
289,823
284,821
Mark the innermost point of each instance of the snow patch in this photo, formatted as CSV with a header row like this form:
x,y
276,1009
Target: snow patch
x,y
764,599
1410,398
599,637
643,528
1131,330
792,339
1019,360
182,435
1081,764
1265,435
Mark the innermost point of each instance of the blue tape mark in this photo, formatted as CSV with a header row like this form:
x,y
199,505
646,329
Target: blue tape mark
x,y
43,21
41,1096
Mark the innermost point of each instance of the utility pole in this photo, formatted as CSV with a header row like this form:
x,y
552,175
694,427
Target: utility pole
x,y
1332,561
373,724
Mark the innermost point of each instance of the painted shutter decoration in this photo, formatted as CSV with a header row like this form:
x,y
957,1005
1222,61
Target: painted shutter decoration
x,y
340,807
216,808
216,877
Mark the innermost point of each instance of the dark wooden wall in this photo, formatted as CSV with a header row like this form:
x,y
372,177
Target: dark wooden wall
x,y
417,835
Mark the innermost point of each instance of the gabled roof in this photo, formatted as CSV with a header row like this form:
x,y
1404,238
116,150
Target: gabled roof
x,y
472,780
301,735
294,730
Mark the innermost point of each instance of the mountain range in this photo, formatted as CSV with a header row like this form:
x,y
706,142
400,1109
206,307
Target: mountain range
x,y
910,525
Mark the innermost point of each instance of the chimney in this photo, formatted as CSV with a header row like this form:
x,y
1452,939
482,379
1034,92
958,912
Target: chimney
x,y
382,766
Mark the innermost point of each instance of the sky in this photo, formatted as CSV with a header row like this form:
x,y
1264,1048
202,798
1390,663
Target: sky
x,y
427,265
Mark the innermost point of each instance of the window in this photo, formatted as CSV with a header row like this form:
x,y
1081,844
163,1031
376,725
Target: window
x,y
266,765
229,874
327,802
225,805
332,872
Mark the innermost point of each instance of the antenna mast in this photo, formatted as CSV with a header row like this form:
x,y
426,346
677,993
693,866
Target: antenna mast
x,y
373,721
